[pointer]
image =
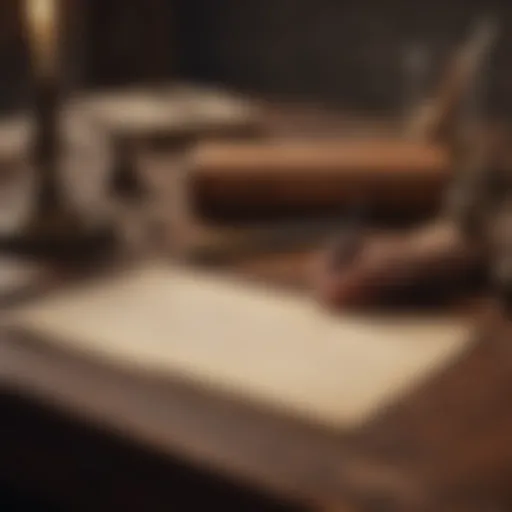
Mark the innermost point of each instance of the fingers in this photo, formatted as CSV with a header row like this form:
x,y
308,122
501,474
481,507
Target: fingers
x,y
430,261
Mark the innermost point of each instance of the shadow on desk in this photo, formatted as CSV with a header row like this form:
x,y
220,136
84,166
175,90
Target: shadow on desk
x,y
82,469
13,500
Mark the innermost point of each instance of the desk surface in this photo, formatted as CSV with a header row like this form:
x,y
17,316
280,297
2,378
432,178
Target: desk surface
x,y
448,442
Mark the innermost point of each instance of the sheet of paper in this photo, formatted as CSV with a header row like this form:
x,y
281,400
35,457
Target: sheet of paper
x,y
275,349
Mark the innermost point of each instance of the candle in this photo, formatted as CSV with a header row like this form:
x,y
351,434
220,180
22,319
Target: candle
x,y
42,26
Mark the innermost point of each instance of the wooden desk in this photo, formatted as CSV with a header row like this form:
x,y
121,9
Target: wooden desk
x,y
66,420
92,437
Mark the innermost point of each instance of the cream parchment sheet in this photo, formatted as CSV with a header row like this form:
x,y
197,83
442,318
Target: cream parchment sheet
x,y
272,348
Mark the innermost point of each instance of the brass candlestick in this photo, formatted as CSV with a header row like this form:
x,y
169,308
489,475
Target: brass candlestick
x,y
45,150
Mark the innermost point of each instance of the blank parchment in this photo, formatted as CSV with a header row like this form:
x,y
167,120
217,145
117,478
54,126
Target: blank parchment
x,y
275,349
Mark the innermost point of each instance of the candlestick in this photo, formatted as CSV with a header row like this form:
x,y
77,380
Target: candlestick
x,y
46,147
42,18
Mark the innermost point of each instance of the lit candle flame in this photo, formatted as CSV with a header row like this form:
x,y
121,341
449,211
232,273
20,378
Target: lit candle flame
x,y
41,17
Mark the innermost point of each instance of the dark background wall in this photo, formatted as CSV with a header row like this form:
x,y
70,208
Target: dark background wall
x,y
344,52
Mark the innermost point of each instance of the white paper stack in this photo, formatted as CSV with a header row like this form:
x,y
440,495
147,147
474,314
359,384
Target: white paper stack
x,y
275,349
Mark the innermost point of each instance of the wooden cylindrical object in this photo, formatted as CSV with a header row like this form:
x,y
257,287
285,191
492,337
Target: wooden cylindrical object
x,y
385,174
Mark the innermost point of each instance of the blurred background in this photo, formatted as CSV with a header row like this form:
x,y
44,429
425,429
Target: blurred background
x,y
343,53
354,59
